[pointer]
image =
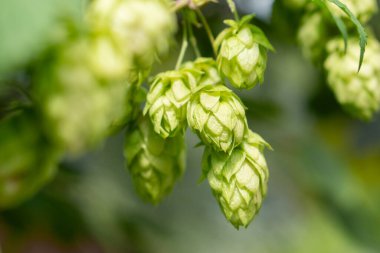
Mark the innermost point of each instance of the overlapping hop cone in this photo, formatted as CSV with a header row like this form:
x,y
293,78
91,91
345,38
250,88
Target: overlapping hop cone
x,y
217,115
28,159
358,92
155,163
238,180
242,56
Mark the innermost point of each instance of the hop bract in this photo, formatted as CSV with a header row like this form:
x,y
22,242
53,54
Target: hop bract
x,y
239,180
242,56
154,163
358,92
166,101
217,115
207,71
28,159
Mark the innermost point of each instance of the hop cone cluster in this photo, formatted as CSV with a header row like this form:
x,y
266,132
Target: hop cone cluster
x,y
217,115
27,161
358,92
143,27
239,180
167,98
242,55
154,163
208,71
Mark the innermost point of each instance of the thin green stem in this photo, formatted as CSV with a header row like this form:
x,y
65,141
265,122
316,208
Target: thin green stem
x,y
208,30
232,6
193,40
183,47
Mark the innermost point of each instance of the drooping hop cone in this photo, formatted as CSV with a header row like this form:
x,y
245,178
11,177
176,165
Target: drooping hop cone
x,y
143,27
207,71
217,115
166,101
238,181
358,92
28,160
155,163
242,56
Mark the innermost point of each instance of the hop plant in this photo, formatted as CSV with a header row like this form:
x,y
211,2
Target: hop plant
x,y
154,163
167,98
127,22
28,161
362,9
208,71
217,115
358,92
311,34
239,180
295,4
242,56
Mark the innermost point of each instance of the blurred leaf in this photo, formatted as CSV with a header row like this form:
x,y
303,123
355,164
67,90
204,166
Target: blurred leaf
x,y
27,27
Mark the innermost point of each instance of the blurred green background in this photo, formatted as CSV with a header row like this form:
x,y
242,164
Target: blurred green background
x,y
324,189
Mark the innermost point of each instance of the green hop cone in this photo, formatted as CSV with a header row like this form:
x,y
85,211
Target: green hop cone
x,y
208,72
166,101
358,92
239,180
126,21
28,159
311,34
217,115
242,56
362,9
154,163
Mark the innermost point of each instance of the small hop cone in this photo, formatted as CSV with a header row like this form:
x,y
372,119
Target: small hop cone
x,y
154,163
28,159
239,180
217,115
126,21
358,92
166,101
311,34
242,56
207,71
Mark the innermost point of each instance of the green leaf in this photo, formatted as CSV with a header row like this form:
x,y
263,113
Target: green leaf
x,y
362,34
260,38
27,27
342,28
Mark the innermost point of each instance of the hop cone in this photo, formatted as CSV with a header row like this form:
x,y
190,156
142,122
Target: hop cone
x,y
154,163
143,27
28,160
217,115
242,56
166,101
358,92
239,180
208,72
362,9
77,108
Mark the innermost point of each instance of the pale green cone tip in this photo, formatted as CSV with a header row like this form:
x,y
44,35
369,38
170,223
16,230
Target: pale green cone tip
x,y
217,115
207,71
155,164
239,180
242,56
358,92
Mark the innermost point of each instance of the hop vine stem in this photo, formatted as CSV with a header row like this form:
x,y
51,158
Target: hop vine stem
x,y
208,29
232,6
183,47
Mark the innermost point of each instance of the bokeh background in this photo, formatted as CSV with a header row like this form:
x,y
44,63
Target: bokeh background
x,y
324,189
